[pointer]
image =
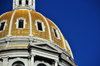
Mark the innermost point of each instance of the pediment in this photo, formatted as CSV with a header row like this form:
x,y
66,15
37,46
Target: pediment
x,y
45,46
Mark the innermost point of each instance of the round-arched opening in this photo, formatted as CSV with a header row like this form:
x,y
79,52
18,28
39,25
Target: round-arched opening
x,y
18,63
41,64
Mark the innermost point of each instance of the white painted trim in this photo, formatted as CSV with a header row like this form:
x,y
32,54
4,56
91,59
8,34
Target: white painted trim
x,y
42,23
48,27
61,35
30,20
10,26
56,32
17,22
41,62
4,25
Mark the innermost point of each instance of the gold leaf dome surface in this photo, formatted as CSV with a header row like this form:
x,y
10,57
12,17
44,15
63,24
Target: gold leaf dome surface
x,y
31,16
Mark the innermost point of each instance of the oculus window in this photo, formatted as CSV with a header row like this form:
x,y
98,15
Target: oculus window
x,y
40,25
20,24
2,25
18,63
56,33
41,64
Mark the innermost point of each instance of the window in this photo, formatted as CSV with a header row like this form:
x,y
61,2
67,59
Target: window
x,y
2,25
40,25
20,2
56,33
18,63
26,2
41,64
20,24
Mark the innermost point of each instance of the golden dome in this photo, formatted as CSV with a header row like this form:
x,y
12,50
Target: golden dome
x,y
48,30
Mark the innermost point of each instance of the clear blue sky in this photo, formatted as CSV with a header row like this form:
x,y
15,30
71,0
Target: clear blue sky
x,y
79,21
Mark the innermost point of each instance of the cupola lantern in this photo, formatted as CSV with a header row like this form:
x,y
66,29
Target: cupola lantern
x,y
24,4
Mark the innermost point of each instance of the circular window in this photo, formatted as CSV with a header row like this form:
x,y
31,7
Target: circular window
x,y
41,64
18,63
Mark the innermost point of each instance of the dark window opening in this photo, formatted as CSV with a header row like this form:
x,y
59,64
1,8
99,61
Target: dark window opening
x,y
21,24
41,64
39,26
18,63
55,32
20,2
2,26
26,2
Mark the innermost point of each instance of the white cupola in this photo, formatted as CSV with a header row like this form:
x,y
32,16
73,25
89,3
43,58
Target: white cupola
x,y
24,4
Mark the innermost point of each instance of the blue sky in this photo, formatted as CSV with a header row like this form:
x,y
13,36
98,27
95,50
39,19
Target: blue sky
x,y
78,20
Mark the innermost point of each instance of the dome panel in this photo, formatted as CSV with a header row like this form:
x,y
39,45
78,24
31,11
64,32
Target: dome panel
x,y
41,34
20,32
5,17
58,41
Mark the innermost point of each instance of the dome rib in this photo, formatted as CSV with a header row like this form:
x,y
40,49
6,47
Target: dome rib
x,y
10,26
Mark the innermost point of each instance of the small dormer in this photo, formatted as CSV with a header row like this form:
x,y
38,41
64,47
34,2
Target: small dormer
x,y
24,4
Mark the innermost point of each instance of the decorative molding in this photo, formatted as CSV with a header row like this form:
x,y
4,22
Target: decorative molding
x,y
17,22
42,23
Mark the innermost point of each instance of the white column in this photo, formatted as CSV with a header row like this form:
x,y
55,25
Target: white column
x,y
34,4
23,2
56,63
5,61
30,1
17,2
29,62
32,60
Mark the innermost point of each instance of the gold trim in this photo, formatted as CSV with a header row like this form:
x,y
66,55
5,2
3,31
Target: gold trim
x,y
19,45
2,47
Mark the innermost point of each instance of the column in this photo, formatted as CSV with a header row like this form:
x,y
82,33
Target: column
x,y
29,61
56,63
30,1
5,61
32,60
17,2
34,5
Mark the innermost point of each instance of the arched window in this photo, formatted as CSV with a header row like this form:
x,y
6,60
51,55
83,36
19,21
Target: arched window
x,y
18,63
27,2
41,64
20,2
